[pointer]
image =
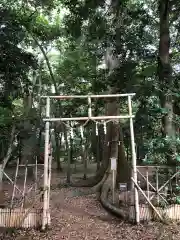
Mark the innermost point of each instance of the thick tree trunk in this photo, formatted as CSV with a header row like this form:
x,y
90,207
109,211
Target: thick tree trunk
x,y
123,171
69,165
164,71
28,141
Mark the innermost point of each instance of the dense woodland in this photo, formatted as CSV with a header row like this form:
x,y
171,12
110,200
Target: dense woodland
x,y
65,47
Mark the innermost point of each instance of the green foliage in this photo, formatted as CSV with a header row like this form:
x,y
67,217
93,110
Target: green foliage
x,y
79,34
5,117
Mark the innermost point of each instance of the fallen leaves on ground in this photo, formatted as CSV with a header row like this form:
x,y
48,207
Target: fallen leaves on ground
x,y
82,217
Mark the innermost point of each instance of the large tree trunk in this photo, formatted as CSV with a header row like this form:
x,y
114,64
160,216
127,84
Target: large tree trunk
x,y
164,71
29,141
123,170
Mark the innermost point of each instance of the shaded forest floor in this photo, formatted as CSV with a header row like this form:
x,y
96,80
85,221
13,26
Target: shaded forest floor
x,y
75,217
83,218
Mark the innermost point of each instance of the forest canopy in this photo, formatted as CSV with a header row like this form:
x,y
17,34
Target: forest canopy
x,y
82,47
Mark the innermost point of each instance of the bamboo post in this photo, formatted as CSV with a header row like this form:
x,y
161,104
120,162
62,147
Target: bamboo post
x,y
2,199
147,182
36,178
113,183
69,145
90,96
49,185
113,169
46,156
134,163
24,187
1,177
89,107
157,185
15,181
170,182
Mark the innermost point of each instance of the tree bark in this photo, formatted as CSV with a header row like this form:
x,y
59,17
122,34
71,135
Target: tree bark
x,y
124,170
165,71
29,144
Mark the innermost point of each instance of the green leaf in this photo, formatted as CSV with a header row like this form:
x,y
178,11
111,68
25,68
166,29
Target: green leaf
x,y
178,158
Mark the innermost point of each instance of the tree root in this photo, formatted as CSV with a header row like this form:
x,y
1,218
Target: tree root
x,y
94,190
92,181
106,187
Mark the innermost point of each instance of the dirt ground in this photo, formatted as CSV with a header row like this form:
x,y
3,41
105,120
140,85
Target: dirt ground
x,y
75,217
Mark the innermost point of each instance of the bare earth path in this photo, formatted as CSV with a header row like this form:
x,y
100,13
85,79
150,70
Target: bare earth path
x,y
83,218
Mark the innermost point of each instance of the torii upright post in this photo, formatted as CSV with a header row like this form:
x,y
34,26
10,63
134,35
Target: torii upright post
x,y
134,161
90,116
45,219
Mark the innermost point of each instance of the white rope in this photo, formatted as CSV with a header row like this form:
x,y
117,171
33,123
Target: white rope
x,y
71,133
81,132
105,128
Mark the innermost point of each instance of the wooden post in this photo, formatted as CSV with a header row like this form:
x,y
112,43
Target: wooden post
x,y
46,158
113,169
69,143
147,182
2,195
113,182
1,176
24,187
15,181
36,177
134,163
157,185
49,183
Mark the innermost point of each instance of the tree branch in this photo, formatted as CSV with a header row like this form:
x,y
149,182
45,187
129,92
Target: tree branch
x,y
47,62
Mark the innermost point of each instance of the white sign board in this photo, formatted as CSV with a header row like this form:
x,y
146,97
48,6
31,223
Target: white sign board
x,y
123,187
113,164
